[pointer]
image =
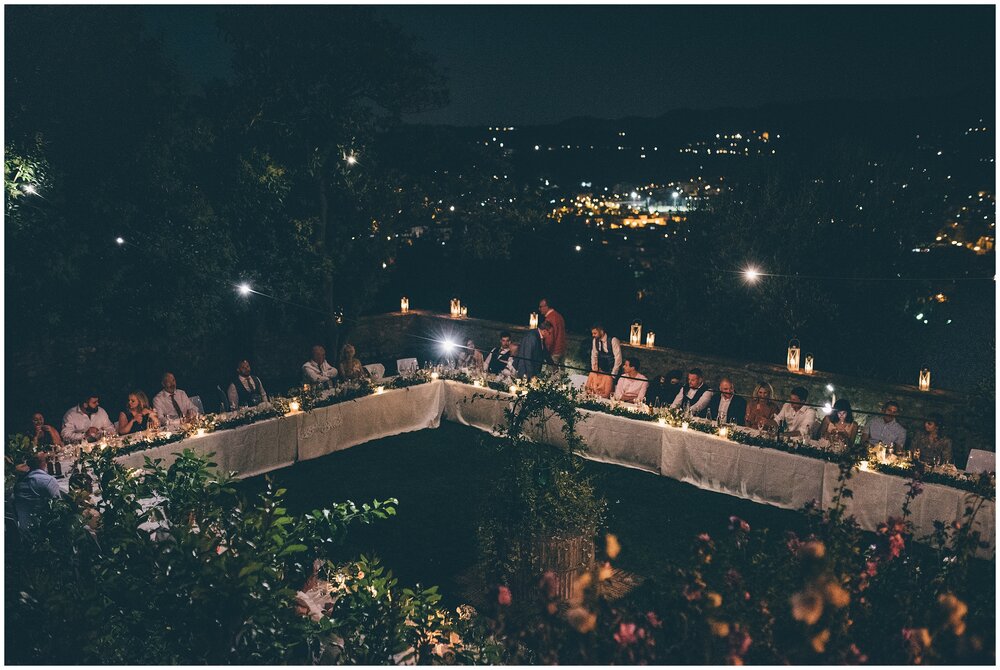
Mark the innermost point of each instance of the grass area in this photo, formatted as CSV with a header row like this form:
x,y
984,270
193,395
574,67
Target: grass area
x,y
441,479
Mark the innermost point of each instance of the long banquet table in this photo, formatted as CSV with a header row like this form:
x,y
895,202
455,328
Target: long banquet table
x,y
707,461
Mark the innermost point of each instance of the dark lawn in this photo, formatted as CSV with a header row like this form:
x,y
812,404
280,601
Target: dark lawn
x,y
441,478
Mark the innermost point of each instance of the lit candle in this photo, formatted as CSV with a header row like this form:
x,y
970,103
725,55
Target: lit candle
x,y
793,355
650,338
533,320
513,389
635,334
477,383
404,304
293,406
379,390
924,381
684,425
661,421
200,432
809,364
435,375
456,308
863,465
724,432
465,311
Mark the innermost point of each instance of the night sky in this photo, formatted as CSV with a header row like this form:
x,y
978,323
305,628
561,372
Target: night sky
x,y
527,65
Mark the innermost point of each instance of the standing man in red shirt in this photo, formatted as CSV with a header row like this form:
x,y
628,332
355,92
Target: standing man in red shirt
x,y
555,340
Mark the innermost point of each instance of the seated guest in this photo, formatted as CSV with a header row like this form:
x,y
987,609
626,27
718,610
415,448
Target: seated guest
x,y
840,425
500,360
657,393
694,397
605,362
928,444
761,409
173,404
139,416
349,366
675,382
44,434
798,419
470,357
885,428
246,390
727,407
632,385
87,421
33,490
532,353
316,370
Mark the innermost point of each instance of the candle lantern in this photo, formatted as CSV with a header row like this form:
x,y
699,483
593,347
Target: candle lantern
x,y
379,390
533,320
650,338
724,432
925,380
293,406
684,425
477,383
434,375
456,308
662,421
635,334
513,389
404,304
793,355
200,432
809,364
465,311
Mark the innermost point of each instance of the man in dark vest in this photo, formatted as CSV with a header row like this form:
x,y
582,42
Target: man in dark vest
x,y
532,352
694,397
500,360
245,390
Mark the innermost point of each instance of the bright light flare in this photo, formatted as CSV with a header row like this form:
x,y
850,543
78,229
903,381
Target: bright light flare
x,y
119,241
448,346
30,189
351,159
751,274
244,289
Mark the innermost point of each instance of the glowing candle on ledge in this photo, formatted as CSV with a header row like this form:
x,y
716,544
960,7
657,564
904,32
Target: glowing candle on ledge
x,y
404,304
533,320
650,338
456,308
793,355
635,334
924,381
809,364
465,311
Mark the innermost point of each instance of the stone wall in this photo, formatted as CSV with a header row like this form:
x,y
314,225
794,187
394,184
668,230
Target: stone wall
x,y
386,337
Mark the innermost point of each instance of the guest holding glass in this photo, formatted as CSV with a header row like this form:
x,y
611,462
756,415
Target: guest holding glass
x,y
761,409
929,446
139,417
885,429
840,426
798,419
44,434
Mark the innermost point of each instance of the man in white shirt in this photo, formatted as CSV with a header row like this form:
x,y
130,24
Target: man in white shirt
x,y
693,397
633,384
173,404
799,419
500,360
605,352
316,370
246,390
87,421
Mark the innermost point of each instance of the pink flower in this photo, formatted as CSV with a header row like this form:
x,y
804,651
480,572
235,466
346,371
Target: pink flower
x,y
705,537
626,634
856,655
503,596
736,522
896,545
653,620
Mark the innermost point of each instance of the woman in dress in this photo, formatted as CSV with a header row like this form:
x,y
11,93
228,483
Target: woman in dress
x,y
928,444
349,366
139,417
471,357
840,425
761,409
45,435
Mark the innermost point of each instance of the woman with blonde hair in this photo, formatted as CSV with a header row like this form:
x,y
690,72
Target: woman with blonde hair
x,y
139,417
349,366
761,408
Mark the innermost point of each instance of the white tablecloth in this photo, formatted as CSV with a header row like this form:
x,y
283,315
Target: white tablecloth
x,y
767,476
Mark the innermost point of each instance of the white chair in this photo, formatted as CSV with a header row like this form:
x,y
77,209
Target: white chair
x,y
196,401
376,370
980,460
407,366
